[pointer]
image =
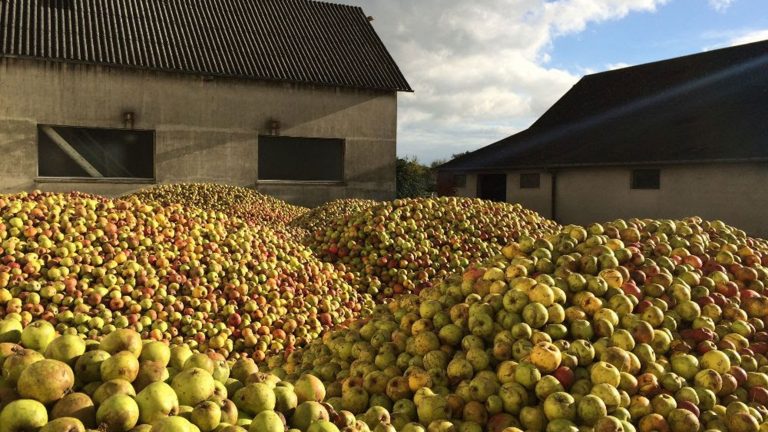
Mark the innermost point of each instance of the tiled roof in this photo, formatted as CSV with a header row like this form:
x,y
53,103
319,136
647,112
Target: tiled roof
x,y
281,40
703,107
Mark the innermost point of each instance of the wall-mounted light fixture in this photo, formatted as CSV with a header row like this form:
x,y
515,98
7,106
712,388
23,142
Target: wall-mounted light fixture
x,y
274,127
128,119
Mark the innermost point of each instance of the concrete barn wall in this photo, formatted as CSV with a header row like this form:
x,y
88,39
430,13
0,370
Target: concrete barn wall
x,y
206,130
539,199
535,199
734,193
470,188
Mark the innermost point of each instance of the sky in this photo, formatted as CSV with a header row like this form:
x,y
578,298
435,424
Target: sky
x,y
485,69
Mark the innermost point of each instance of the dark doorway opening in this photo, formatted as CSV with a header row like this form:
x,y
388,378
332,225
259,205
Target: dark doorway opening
x,y
492,187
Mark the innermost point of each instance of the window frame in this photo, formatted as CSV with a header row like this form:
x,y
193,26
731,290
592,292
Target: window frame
x,y
340,182
538,180
633,179
75,179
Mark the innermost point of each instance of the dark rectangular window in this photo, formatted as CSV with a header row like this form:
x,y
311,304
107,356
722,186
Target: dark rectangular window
x,y
492,187
459,180
530,180
301,159
646,179
78,152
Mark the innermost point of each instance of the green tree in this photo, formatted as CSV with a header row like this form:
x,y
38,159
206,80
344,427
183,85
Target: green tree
x,y
414,179
458,155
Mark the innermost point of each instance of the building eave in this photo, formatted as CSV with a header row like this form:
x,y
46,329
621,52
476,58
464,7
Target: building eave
x,y
602,165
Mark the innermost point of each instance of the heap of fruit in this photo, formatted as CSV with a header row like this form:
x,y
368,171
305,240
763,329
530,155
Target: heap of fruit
x,y
243,203
91,265
320,218
405,244
61,383
503,321
629,326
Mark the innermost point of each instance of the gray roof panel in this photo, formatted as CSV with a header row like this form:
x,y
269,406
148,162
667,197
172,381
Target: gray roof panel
x,y
299,41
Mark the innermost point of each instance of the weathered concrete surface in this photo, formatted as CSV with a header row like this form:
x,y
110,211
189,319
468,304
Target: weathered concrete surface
x,y
538,199
205,130
470,188
733,193
535,199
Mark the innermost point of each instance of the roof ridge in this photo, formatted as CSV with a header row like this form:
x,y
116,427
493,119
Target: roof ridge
x,y
681,58
321,2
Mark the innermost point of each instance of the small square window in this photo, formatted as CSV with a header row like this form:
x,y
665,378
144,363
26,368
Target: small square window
x,y
646,179
459,180
530,181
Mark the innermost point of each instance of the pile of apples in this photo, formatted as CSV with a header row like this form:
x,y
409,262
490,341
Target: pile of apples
x,y
90,265
638,325
128,315
406,244
243,203
123,383
321,217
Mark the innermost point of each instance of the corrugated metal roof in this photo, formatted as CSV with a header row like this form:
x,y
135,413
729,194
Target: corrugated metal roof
x,y
705,107
283,40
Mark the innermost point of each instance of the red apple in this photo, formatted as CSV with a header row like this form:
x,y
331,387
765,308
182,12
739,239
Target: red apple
x,y
565,375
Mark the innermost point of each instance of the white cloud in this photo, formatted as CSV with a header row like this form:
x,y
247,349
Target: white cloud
x,y
733,37
721,5
480,69
619,65
749,36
